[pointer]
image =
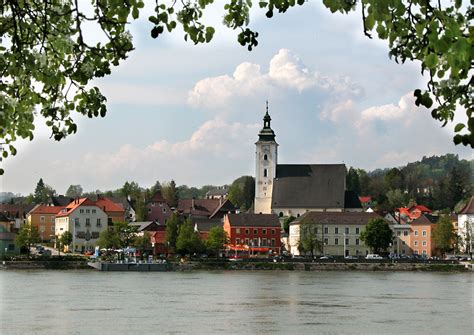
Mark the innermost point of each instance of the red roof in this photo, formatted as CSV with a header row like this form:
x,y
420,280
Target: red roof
x,y
421,208
74,205
108,205
365,199
43,209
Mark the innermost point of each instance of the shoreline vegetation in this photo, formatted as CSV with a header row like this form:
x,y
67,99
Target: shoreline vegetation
x,y
80,263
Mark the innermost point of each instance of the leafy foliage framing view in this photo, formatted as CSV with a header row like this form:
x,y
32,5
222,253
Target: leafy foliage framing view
x,y
48,58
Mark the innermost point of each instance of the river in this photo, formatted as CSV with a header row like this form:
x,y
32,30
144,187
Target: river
x,y
237,302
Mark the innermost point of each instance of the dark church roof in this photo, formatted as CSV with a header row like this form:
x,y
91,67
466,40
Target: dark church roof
x,y
351,200
309,186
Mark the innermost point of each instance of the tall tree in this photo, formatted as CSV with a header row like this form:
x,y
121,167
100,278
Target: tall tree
x,y
74,191
40,191
395,199
443,235
309,242
142,242
108,239
377,235
352,181
172,226
170,193
65,240
242,192
394,179
456,187
188,241
27,236
216,240
126,233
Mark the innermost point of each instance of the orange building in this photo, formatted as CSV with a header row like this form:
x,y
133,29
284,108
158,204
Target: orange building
x,y
421,239
43,217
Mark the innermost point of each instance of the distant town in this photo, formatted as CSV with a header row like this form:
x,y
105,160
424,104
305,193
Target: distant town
x,y
319,211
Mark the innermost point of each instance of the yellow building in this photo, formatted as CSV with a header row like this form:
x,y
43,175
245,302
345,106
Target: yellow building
x,y
43,218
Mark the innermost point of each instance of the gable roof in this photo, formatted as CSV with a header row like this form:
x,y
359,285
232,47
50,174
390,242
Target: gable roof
x,y
43,209
309,186
108,205
225,207
61,200
254,220
425,219
157,197
421,208
359,218
469,208
74,205
16,211
198,207
205,224
218,191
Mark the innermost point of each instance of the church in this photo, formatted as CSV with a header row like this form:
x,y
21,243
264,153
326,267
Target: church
x,y
295,189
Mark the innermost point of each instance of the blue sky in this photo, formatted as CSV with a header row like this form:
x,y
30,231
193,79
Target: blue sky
x,y
192,113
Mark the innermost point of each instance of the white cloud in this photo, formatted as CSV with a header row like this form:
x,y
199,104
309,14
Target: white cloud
x,y
338,111
286,71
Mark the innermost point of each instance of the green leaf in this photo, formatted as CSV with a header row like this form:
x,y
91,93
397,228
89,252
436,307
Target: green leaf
x,y
431,61
459,127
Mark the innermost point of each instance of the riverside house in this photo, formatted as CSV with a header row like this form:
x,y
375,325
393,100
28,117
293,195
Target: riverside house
x,y
85,220
257,233
43,218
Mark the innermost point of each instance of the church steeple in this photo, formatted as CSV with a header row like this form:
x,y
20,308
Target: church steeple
x,y
266,133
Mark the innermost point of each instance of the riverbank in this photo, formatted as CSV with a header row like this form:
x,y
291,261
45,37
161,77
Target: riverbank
x,y
52,264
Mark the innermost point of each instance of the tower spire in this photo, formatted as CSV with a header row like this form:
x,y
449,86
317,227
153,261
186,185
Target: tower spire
x,y
266,134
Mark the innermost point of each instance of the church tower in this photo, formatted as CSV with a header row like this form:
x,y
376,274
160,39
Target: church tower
x,y
266,162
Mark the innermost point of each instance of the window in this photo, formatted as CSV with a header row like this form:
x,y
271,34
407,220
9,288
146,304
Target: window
x,y
247,241
326,241
164,210
42,218
76,222
273,242
52,219
88,211
255,242
52,228
149,210
346,230
93,211
98,222
347,241
423,233
42,229
336,230
405,233
336,241
357,230
424,252
264,231
415,252
399,233
423,243
81,211
246,231
326,230
237,230
265,157
265,173
403,242
316,230
153,204
357,241
416,243
264,241
415,232
273,232
88,222
237,241
255,231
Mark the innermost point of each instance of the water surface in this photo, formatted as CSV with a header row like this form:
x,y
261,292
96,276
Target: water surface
x,y
238,302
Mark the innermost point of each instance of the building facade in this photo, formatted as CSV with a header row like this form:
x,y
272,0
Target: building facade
x,y
338,233
85,221
465,227
421,239
259,234
43,218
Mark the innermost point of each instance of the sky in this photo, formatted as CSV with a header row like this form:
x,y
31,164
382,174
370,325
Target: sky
x,y
192,113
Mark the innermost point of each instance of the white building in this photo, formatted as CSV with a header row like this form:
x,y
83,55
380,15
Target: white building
x,y
465,227
85,220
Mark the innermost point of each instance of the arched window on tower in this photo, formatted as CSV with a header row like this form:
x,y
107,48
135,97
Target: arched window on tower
x,y
265,157
265,173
